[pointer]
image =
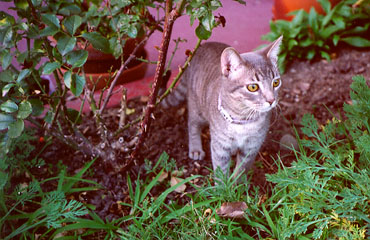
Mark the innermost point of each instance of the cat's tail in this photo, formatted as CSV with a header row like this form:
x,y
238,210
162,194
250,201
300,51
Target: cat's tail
x,y
177,96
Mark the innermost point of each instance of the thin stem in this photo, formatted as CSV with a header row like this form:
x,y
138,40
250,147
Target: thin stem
x,y
171,16
122,118
182,69
120,71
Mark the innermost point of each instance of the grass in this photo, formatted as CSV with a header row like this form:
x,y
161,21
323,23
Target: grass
x,y
324,194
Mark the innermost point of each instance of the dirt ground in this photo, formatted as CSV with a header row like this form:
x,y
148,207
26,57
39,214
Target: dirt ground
x,y
307,88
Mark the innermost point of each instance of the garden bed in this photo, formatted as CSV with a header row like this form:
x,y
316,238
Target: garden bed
x,y
319,88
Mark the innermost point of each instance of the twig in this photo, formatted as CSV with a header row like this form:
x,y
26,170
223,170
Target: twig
x,y
122,115
171,16
181,71
120,71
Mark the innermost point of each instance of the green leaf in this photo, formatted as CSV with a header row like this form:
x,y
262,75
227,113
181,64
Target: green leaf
x,y
98,41
325,55
7,88
202,33
292,43
327,32
15,128
3,180
25,109
77,58
74,82
66,44
9,106
336,39
312,20
6,59
37,106
23,74
356,41
132,31
74,115
311,54
7,76
50,67
5,120
72,23
52,23
208,21
326,5
6,36
78,84
297,20
50,20
307,42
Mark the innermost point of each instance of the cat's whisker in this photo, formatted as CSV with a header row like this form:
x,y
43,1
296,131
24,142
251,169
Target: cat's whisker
x,y
277,111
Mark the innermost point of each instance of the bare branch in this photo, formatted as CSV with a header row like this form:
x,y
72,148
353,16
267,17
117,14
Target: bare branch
x,y
171,16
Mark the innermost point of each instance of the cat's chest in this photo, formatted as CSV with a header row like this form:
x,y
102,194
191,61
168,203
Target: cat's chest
x,y
251,133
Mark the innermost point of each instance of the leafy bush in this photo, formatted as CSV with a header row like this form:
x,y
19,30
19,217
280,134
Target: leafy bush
x,y
311,35
57,35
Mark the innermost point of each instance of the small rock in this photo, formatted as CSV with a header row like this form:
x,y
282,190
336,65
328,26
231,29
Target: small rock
x,y
360,70
304,86
287,142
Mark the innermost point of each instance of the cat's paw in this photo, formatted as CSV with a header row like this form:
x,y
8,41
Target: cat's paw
x,y
197,154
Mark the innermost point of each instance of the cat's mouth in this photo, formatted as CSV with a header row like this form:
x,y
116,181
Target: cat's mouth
x,y
266,107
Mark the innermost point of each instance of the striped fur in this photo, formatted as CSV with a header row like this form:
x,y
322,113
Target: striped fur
x,y
218,87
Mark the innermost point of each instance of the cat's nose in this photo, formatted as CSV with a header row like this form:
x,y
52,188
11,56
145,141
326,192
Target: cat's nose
x,y
270,101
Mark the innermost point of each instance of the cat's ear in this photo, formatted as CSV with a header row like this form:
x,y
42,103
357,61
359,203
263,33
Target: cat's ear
x,y
272,51
231,62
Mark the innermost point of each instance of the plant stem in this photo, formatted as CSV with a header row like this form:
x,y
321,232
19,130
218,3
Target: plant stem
x,y
181,71
120,71
171,16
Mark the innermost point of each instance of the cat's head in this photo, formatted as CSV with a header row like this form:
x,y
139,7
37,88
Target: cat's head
x,y
252,79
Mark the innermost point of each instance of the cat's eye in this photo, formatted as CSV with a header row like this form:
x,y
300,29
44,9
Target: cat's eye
x,y
252,87
276,82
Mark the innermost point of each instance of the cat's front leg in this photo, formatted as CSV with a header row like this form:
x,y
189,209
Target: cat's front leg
x,y
244,161
195,143
221,155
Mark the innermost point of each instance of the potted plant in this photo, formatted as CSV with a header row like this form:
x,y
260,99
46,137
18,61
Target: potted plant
x,y
282,8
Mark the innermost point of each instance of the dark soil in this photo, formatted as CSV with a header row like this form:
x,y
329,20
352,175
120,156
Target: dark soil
x,y
319,88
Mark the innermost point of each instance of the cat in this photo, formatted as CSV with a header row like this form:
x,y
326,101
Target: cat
x,y
233,94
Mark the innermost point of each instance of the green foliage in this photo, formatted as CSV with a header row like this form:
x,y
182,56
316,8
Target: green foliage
x,y
324,194
20,149
311,35
46,210
57,35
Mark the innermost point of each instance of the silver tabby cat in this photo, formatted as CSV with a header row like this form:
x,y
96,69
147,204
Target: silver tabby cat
x,y
232,93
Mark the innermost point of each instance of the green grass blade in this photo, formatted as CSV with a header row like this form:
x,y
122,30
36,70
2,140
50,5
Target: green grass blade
x,y
150,186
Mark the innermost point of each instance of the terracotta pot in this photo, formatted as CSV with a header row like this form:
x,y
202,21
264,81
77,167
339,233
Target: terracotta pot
x,y
99,66
282,7
98,71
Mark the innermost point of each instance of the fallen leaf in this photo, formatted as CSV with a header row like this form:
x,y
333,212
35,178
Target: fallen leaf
x,y
163,176
232,210
176,180
207,212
